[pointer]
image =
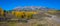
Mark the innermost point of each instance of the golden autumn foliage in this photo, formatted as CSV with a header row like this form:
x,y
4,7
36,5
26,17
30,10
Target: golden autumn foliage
x,y
23,14
29,14
1,12
18,14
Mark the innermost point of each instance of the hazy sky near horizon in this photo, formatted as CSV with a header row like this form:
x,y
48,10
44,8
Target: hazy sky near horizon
x,y
10,4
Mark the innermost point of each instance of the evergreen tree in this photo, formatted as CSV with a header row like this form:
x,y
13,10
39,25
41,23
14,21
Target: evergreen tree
x,y
4,13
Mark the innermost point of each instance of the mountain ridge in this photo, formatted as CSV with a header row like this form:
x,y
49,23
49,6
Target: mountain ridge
x,y
32,8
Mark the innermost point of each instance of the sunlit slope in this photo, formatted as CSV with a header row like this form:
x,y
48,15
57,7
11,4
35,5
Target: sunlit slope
x,y
52,12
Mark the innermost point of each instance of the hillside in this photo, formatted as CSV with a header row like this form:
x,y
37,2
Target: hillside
x,y
45,17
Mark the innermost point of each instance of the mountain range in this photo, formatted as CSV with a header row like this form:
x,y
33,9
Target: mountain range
x,y
32,8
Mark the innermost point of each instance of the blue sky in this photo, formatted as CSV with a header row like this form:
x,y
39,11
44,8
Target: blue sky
x,y
10,4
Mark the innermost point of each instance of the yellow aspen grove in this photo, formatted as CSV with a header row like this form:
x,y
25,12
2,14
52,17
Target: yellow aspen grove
x,y
28,15
16,14
19,14
1,12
